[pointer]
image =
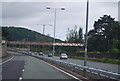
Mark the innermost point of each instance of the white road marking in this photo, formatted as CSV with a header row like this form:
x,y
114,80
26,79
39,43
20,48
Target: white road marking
x,y
7,60
20,78
22,73
94,73
23,70
62,71
113,78
1,76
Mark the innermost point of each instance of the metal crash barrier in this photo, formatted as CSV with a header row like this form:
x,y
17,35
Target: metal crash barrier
x,y
76,68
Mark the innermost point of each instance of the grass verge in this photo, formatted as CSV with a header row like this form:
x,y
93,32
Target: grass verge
x,y
105,60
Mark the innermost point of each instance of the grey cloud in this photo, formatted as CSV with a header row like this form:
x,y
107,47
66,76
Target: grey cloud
x,y
21,9
28,14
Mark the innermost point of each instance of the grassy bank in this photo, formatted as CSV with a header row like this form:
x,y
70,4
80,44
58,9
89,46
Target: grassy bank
x,y
105,60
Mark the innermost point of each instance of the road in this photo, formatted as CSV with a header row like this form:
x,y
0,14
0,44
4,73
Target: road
x,y
26,67
103,66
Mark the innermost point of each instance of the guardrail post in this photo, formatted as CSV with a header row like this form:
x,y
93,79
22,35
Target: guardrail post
x,y
98,76
90,76
83,70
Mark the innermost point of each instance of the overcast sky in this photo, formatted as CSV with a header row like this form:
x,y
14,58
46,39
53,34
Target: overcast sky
x,y
28,14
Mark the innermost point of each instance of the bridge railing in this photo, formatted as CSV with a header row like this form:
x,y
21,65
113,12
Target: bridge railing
x,y
80,69
43,43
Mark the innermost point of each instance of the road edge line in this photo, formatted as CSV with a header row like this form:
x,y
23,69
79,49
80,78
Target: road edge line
x,y
61,71
7,60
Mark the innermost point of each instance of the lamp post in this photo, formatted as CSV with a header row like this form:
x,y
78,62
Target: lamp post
x,y
86,33
44,25
55,11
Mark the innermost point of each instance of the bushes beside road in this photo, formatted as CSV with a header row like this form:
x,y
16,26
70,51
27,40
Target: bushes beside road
x,y
104,57
104,60
97,55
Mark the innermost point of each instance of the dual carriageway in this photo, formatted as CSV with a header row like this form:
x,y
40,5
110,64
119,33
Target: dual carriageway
x,y
27,66
24,66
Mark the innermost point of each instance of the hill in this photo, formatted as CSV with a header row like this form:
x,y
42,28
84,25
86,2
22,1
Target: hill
x,y
23,34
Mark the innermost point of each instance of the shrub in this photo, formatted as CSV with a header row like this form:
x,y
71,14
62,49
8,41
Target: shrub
x,y
78,51
115,51
95,52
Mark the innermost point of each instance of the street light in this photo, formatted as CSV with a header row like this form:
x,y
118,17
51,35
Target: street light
x,y
86,34
55,9
44,25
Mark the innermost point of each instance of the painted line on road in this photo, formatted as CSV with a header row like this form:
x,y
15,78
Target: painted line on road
x,y
94,73
7,60
106,76
1,76
102,75
20,78
113,78
61,70
23,70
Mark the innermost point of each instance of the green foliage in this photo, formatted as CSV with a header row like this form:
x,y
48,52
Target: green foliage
x,y
118,44
105,35
112,61
5,34
97,43
105,60
78,58
115,51
23,34
95,52
75,36
79,51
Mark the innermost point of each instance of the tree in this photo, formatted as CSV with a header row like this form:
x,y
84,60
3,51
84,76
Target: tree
x,y
5,34
75,36
104,35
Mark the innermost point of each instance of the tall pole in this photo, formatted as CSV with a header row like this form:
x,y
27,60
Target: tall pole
x,y
43,29
55,9
44,25
86,34
54,32
43,34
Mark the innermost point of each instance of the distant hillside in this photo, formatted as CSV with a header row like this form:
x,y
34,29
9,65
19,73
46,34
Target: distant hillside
x,y
23,34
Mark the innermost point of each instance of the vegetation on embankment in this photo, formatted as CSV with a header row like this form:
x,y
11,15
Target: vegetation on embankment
x,y
12,33
105,60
